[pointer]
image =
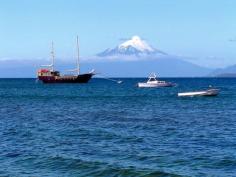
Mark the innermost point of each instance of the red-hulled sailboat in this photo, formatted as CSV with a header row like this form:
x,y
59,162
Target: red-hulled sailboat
x,y
49,75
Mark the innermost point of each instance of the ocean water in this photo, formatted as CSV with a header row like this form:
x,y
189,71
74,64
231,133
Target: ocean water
x,y
107,129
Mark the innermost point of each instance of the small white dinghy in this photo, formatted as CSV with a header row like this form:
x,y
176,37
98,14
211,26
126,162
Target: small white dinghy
x,y
209,92
153,82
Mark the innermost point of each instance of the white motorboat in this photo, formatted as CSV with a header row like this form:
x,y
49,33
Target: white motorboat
x,y
209,92
153,82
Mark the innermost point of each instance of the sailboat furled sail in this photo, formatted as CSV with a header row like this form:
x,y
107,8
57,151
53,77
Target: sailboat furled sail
x,y
49,75
51,66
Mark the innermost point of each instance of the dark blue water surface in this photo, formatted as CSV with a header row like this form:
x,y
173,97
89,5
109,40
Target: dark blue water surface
x,y
108,129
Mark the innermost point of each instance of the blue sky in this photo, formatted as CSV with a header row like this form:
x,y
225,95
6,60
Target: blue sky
x,y
198,29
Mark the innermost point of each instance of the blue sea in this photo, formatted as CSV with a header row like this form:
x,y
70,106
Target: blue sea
x,y
107,129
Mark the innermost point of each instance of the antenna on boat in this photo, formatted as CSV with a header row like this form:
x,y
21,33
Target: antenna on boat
x,y
78,68
53,57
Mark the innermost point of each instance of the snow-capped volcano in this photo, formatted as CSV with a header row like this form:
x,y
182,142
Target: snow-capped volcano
x,y
135,46
136,43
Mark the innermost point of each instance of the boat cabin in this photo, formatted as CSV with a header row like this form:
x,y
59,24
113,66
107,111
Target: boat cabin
x,y
47,72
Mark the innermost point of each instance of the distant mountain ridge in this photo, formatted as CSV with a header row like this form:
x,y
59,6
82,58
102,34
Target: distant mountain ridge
x,y
164,67
227,75
229,71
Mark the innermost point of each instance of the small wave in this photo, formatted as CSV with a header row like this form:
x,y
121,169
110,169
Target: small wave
x,y
72,166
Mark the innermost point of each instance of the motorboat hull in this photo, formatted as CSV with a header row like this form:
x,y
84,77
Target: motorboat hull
x,y
210,92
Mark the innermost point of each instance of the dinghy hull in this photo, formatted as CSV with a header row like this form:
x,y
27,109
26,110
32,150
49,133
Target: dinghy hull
x,y
210,92
154,85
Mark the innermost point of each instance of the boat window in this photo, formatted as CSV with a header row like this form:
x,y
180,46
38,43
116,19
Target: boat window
x,y
152,79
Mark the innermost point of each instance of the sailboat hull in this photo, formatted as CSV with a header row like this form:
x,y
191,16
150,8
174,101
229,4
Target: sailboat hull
x,y
82,78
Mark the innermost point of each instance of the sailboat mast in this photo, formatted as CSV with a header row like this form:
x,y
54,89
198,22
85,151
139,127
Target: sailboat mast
x,y
53,56
78,67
